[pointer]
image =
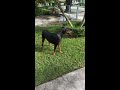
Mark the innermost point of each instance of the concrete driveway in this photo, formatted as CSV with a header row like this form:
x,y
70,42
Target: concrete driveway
x,y
72,81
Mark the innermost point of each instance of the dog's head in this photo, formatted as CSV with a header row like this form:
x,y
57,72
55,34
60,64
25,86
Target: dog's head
x,y
66,30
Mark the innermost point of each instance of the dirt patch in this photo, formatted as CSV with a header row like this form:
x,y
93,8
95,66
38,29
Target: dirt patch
x,y
45,20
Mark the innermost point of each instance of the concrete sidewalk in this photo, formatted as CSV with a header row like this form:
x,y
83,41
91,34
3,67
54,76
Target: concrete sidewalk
x,y
44,21
72,81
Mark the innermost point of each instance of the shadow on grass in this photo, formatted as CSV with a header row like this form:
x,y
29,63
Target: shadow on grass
x,y
38,48
52,29
52,71
39,29
48,73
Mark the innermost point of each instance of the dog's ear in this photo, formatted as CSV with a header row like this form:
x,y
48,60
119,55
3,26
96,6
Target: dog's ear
x,y
63,27
64,30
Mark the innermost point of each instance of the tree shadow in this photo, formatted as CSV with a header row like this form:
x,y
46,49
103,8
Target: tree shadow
x,y
38,48
39,29
50,72
43,17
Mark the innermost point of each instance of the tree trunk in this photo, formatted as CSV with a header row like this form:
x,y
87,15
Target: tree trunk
x,y
83,21
68,5
57,1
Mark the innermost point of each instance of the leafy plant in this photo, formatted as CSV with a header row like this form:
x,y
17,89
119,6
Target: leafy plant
x,y
77,31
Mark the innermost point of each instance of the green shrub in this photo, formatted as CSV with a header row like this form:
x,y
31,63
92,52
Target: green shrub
x,y
42,11
53,10
46,11
79,32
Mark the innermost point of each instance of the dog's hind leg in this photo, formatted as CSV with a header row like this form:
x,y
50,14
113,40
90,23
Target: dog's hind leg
x,y
43,39
54,49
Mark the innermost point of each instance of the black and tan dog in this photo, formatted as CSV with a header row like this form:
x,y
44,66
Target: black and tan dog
x,y
54,38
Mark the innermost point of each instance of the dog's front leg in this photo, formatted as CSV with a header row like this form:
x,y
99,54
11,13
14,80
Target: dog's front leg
x,y
59,48
54,49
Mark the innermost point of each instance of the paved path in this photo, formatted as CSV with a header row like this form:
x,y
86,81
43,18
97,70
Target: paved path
x,y
72,81
48,20
44,21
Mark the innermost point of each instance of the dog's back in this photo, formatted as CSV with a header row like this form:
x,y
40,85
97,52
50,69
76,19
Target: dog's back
x,y
51,37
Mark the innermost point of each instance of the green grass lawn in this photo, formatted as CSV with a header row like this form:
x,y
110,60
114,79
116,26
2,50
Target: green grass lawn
x,y
47,66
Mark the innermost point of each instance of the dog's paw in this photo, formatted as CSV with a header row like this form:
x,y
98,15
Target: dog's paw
x,y
53,54
61,52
